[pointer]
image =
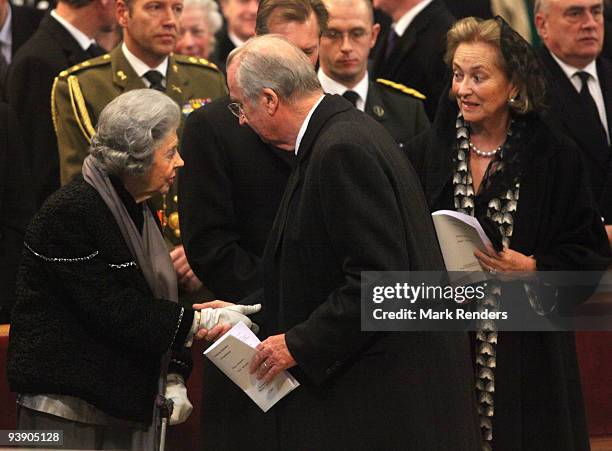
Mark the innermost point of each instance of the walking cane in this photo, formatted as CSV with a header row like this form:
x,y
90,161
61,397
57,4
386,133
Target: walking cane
x,y
165,409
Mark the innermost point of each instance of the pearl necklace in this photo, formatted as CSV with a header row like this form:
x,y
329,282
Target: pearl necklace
x,y
482,153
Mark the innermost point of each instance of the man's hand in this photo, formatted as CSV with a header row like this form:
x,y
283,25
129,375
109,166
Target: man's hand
x,y
187,279
609,232
271,358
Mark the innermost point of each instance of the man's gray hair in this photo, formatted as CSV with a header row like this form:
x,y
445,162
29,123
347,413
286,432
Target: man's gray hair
x,y
131,128
270,61
540,5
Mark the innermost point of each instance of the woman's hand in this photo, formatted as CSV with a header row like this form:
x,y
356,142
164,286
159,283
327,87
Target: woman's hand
x,y
217,317
505,261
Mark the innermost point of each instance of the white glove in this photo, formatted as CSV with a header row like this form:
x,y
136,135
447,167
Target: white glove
x,y
210,317
177,392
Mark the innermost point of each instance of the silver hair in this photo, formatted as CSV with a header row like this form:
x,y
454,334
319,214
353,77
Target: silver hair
x,y
540,5
131,128
214,20
270,61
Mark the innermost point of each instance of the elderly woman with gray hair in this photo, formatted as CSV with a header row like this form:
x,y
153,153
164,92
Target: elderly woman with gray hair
x,y
200,20
98,336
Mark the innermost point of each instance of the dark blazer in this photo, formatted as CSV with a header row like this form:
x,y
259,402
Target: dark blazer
x,y
476,8
100,334
416,60
538,399
49,51
230,189
401,114
16,203
223,47
24,23
353,203
567,109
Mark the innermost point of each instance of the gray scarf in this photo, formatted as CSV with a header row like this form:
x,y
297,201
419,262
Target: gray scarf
x,y
149,249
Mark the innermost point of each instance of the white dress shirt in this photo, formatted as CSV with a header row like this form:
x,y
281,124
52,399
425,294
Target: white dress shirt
x,y
404,22
83,40
141,68
593,85
305,124
331,86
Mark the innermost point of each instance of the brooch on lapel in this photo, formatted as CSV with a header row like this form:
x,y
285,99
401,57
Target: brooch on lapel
x,y
194,104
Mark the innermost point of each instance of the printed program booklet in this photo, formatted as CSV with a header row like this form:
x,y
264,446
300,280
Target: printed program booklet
x,y
459,236
232,354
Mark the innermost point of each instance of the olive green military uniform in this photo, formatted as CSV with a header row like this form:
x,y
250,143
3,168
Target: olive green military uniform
x,y
80,93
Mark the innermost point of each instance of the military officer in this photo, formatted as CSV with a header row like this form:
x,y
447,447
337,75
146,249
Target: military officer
x,y
144,59
343,58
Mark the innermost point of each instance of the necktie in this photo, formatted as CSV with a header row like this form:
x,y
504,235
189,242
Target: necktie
x,y
94,50
391,41
155,78
589,103
351,96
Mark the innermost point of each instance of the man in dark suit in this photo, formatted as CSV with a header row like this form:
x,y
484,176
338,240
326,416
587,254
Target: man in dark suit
x,y
17,24
232,182
17,206
411,51
63,39
581,86
352,203
239,26
350,35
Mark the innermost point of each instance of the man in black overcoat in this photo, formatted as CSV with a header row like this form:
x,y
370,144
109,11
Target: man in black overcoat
x,y
411,51
352,203
63,39
573,39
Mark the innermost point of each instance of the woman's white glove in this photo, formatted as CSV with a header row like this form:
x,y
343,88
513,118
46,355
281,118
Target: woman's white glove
x,y
177,392
210,317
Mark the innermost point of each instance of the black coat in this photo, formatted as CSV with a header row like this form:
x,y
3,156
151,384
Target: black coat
x,y
353,203
401,114
223,47
99,333
538,398
17,204
567,108
24,22
416,60
477,8
49,51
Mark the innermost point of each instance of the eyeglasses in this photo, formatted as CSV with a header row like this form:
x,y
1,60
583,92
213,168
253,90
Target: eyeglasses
x,y
237,110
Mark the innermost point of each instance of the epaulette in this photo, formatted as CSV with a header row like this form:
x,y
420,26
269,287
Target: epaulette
x,y
203,62
97,61
400,87
77,103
